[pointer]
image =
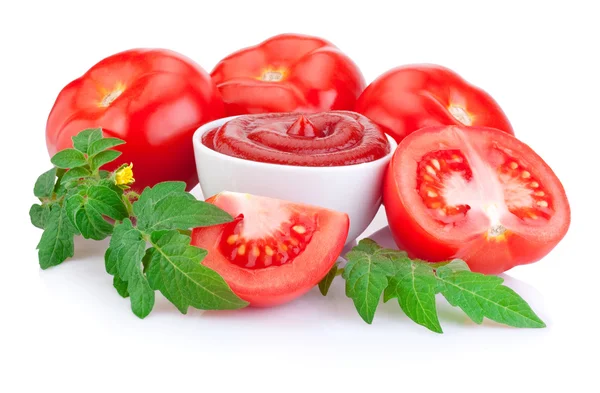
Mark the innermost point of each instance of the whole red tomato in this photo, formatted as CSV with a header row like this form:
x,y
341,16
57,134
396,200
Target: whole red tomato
x,y
288,73
153,99
409,98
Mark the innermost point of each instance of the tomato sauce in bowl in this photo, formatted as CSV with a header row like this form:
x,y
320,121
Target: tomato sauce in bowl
x,y
334,138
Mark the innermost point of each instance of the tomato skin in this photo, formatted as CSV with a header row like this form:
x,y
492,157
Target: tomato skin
x,y
160,99
315,77
275,285
414,233
408,98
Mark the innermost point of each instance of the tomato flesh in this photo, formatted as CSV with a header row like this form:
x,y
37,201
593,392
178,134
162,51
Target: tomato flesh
x,y
274,250
248,247
474,193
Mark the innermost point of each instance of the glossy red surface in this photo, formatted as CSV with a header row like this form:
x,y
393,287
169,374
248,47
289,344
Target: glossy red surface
x,y
153,99
332,138
411,97
288,73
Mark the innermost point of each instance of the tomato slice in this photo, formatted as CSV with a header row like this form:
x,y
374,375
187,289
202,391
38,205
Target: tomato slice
x,y
474,193
274,251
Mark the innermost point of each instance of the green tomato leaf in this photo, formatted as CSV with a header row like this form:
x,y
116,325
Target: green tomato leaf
x,y
482,296
68,158
107,201
104,144
111,184
87,209
168,206
454,266
144,206
123,259
366,275
60,172
39,215
141,294
325,283
183,212
56,244
85,138
120,286
367,246
76,174
175,270
415,285
102,158
88,221
44,185
126,250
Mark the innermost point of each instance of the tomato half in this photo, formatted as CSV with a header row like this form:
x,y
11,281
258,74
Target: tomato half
x,y
274,251
288,73
409,98
153,99
474,193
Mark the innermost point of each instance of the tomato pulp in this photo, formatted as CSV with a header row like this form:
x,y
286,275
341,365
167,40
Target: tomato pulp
x,y
408,98
288,73
473,193
325,139
274,251
153,99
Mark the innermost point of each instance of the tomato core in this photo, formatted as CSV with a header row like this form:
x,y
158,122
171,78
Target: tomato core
x,y
272,75
112,95
266,236
460,114
451,183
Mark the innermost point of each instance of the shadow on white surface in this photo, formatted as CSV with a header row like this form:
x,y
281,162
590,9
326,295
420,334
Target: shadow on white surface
x,y
85,279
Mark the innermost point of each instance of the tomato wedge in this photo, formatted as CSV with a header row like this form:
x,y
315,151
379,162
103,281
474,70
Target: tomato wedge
x,y
274,251
474,193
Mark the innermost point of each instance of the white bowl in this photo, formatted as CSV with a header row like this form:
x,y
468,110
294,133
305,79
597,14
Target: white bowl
x,y
352,189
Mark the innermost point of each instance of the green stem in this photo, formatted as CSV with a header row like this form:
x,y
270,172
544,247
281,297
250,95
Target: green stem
x,y
133,195
186,232
128,198
339,272
128,205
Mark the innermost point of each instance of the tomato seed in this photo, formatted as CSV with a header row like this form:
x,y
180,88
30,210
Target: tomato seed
x,y
269,251
299,229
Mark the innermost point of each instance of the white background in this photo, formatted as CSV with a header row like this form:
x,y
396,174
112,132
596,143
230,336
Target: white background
x,y
66,329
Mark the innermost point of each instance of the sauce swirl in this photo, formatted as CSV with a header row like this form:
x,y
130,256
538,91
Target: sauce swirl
x,y
334,138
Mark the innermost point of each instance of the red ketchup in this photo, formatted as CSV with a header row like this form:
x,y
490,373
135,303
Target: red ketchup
x,y
334,138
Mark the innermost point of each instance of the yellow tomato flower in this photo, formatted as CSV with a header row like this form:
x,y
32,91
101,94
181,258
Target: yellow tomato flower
x,y
124,175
